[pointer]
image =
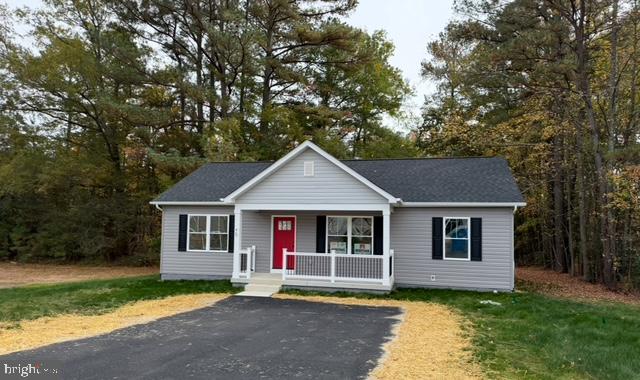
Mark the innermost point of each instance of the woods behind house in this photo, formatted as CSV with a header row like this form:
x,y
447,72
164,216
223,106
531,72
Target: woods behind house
x,y
107,103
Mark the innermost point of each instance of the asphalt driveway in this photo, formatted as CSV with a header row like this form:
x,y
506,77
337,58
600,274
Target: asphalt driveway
x,y
237,338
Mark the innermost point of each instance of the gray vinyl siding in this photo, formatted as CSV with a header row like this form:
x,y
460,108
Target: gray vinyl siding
x,y
256,230
410,239
329,185
411,242
190,264
306,235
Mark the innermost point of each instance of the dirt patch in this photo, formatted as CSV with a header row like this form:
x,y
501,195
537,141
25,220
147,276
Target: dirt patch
x,y
563,285
47,330
13,274
429,343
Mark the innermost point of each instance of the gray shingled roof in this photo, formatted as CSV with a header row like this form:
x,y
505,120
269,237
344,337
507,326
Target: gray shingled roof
x,y
212,181
474,179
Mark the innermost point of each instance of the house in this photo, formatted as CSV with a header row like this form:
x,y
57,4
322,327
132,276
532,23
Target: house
x,y
311,220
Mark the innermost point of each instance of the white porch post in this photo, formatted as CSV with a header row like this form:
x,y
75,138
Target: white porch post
x,y
237,242
386,244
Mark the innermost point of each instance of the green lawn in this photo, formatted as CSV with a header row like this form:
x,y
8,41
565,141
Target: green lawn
x,y
94,297
532,336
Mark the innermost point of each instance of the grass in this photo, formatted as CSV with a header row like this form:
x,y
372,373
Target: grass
x,y
95,297
532,336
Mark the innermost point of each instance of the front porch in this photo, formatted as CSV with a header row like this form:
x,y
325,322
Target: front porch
x,y
332,247
322,270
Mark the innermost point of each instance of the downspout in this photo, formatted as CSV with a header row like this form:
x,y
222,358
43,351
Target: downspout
x,y
161,236
513,250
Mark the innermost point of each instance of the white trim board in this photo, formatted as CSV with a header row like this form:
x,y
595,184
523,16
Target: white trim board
x,y
293,154
189,203
346,207
311,207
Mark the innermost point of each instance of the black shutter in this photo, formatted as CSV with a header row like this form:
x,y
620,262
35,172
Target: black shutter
x,y
377,235
321,234
476,239
436,238
182,233
232,231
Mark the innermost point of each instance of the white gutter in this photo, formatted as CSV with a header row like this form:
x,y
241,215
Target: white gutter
x,y
515,205
462,204
190,203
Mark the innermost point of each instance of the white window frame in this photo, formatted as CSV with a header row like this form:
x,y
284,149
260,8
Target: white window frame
x,y
207,233
444,238
349,233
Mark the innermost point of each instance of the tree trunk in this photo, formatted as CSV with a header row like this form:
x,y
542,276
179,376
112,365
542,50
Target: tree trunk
x,y
610,253
559,262
568,219
224,87
199,85
580,188
585,93
267,70
211,67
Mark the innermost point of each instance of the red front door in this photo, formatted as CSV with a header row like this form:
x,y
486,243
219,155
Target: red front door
x,y
284,236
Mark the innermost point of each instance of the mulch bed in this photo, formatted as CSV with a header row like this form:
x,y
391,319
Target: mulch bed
x,y
563,285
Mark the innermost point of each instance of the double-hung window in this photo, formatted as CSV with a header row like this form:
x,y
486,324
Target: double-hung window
x,y
208,233
350,235
456,239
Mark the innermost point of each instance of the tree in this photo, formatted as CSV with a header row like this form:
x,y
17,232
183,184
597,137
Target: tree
x,y
119,99
538,68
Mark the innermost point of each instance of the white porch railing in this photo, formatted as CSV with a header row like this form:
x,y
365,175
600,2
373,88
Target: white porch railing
x,y
335,267
244,262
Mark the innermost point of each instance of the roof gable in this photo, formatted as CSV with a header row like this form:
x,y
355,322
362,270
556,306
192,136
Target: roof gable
x,y
328,184
307,145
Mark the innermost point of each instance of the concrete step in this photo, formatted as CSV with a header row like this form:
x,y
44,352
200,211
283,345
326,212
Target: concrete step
x,y
262,288
247,293
262,285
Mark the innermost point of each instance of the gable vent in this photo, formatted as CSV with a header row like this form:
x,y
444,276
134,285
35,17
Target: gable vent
x,y
309,170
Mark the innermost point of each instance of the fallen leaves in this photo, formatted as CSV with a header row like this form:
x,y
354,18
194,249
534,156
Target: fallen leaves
x,y
563,285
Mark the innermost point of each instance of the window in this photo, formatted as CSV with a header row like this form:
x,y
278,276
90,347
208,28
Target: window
x,y
456,239
284,225
337,234
208,233
309,169
350,235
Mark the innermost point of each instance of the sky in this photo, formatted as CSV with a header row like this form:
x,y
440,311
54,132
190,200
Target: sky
x,y
410,24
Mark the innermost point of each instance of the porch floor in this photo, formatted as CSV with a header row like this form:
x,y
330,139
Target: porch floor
x,y
267,284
